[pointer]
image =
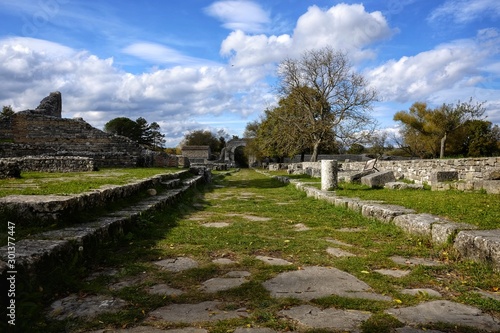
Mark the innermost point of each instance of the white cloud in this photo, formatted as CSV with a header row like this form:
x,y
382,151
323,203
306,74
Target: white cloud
x,y
346,27
465,11
95,89
160,54
242,15
420,77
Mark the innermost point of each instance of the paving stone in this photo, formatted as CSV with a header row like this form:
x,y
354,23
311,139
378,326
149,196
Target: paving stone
x,y
209,311
393,272
216,225
418,291
408,329
238,274
254,330
256,218
445,312
220,284
492,295
164,290
301,227
177,264
273,261
311,317
125,283
90,306
415,261
224,261
316,282
338,252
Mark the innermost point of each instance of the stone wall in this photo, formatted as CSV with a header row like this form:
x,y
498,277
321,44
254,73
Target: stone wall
x,y
50,163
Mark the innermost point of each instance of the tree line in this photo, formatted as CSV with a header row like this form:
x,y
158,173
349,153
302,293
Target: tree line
x,y
139,131
325,106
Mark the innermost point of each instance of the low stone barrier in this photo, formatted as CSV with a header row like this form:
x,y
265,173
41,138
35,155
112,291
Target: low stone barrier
x,y
51,163
50,209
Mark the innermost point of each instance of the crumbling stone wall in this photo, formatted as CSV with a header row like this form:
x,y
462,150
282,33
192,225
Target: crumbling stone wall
x,y
50,163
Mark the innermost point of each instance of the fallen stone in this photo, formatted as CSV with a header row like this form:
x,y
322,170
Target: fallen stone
x,y
177,264
482,245
74,306
151,192
209,311
445,312
164,290
273,261
378,179
421,291
316,282
310,317
356,178
338,252
397,273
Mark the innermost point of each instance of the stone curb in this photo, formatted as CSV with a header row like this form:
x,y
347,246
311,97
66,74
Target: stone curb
x,y
59,247
478,245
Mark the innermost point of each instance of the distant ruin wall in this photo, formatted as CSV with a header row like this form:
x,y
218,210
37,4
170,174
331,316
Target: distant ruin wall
x,y
48,164
469,169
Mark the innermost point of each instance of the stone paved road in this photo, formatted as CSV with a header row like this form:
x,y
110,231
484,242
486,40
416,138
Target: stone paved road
x,y
256,208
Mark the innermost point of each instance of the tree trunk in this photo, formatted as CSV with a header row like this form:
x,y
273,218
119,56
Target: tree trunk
x,y
314,156
443,144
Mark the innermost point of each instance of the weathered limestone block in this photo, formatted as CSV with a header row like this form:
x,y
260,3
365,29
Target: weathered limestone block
x,y
494,175
403,186
482,245
444,176
356,178
384,213
378,179
446,231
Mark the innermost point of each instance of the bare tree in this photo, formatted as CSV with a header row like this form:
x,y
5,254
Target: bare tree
x,y
340,100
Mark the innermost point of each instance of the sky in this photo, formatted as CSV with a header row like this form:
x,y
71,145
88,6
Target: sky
x,y
211,65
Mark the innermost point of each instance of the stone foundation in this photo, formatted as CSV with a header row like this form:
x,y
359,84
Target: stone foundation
x,y
48,164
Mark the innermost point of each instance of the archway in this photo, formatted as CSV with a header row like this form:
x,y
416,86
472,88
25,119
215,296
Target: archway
x,y
230,150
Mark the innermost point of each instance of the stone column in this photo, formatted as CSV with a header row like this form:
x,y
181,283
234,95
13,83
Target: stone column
x,y
329,175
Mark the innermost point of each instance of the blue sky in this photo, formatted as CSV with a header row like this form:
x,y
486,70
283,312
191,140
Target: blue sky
x,y
197,64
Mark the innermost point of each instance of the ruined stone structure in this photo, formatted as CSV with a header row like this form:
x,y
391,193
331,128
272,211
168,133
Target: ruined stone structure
x,y
44,132
230,149
196,154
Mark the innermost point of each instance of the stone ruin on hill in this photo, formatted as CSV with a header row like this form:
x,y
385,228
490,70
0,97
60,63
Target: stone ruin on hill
x,y
43,132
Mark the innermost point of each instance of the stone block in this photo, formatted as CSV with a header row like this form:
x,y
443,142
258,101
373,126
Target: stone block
x,y
384,213
445,231
444,176
356,178
403,186
481,245
420,224
378,179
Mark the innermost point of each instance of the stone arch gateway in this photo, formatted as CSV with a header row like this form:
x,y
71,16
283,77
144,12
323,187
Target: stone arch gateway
x,y
230,150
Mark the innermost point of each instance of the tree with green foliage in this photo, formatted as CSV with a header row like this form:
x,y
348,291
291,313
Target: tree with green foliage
x,y
324,95
139,131
203,138
7,112
427,130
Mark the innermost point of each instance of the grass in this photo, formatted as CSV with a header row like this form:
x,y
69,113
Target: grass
x,y
240,199
43,183
476,208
